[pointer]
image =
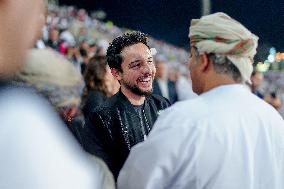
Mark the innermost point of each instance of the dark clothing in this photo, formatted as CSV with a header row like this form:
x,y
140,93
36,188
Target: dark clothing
x,y
115,127
76,126
257,93
93,100
83,68
53,44
173,97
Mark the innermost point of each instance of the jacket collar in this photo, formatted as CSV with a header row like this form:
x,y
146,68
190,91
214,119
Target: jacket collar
x,y
123,100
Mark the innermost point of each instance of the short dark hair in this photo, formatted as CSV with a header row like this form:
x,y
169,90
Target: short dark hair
x,y
223,65
114,58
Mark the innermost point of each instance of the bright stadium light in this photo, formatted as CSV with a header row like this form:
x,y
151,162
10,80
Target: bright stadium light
x,y
271,58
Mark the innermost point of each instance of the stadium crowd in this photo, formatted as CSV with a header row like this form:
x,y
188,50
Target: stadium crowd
x,y
97,106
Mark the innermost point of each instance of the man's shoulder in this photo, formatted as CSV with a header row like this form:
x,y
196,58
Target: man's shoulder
x,y
96,94
193,108
159,100
108,106
157,97
171,83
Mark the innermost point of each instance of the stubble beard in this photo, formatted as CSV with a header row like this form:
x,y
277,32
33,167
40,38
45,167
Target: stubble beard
x,y
136,90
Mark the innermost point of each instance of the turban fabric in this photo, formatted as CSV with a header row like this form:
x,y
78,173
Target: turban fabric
x,y
220,34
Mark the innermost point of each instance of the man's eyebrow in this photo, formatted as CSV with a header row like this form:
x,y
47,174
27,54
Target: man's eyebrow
x,y
135,61
138,60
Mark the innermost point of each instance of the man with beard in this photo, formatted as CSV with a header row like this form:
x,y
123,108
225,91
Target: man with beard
x,y
127,117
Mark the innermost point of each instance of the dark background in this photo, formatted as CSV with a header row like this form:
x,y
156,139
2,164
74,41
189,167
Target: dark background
x,y
169,20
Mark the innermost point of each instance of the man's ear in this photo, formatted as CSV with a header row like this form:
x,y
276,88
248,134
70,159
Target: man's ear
x,y
206,63
116,73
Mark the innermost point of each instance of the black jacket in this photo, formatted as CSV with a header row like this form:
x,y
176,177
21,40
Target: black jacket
x,y
115,127
94,99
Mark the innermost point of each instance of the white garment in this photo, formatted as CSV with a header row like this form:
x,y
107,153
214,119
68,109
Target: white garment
x,y
37,151
68,37
40,44
227,138
184,89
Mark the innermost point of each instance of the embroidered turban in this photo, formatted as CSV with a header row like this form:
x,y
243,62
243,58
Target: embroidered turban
x,y
220,34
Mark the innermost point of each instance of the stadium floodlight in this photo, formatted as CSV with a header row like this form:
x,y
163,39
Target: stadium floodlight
x,y
206,7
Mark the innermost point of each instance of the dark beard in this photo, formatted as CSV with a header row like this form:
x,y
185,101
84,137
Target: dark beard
x,y
136,90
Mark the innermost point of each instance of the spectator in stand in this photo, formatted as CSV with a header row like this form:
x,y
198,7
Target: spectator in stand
x,y
84,45
92,49
85,60
256,80
74,56
162,85
273,99
184,87
53,39
97,89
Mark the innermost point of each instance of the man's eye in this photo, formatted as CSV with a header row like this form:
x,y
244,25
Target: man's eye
x,y
134,66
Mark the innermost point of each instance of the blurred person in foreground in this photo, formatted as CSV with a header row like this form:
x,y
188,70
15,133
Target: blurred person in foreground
x,y
126,118
37,152
52,76
226,137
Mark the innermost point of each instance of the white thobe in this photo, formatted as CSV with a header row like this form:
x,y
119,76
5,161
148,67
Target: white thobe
x,y
38,152
227,138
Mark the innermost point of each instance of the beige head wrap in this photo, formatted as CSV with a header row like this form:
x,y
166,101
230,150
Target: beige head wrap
x,y
53,76
220,34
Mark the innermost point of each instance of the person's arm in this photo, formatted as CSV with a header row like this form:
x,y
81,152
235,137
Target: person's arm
x,y
97,140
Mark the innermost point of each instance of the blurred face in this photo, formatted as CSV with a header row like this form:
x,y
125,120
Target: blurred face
x,y
111,83
161,68
256,80
194,72
138,69
71,50
85,45
54,35
20,23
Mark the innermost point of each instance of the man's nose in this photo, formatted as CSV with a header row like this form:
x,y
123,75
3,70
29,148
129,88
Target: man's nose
x,y
146,68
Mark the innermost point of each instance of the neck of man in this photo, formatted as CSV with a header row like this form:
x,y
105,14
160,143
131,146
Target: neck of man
x,y
218,80
132,97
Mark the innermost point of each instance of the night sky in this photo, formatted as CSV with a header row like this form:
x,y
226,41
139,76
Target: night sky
x,y
169,20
